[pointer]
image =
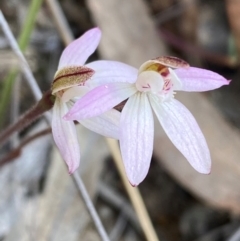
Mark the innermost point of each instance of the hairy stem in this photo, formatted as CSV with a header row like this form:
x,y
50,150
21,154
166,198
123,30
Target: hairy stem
x,y
45,104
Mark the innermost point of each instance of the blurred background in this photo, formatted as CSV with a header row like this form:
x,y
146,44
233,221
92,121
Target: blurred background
x,y
38,199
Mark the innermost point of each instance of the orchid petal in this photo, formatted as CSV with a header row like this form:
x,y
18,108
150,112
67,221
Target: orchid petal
x,y
100,100
196,79
111,71
136,137
76,91
65,136
106,124
77,52
184,132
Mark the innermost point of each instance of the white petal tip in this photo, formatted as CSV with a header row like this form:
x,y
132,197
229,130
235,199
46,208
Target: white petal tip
x,y
226,82
71,170
133,185
204,170
96,31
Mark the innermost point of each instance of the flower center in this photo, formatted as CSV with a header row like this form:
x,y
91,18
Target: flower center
x,y
150,81
159,83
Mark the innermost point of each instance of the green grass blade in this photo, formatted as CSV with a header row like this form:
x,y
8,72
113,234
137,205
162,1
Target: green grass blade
x,y
23,41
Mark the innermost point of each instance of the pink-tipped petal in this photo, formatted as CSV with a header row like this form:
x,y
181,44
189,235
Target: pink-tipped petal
x,y
184,132
65,136
111,71
196,79
136,137
106,124
100,100
77,52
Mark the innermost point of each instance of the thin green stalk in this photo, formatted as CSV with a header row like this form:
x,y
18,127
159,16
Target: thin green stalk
x,y
29,23
23,41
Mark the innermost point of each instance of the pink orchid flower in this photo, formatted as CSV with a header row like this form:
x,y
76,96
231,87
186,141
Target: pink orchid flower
x,y
71,81
153,88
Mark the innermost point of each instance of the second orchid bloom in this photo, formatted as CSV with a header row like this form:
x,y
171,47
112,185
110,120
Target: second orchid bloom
x,y
147,90
71,81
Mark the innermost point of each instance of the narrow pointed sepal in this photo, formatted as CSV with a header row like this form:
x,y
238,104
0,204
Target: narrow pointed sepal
x,y
196,79
184,132
77,52
65,136
136,137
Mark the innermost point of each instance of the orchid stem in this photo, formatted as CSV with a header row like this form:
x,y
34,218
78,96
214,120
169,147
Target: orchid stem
x,y
30,116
